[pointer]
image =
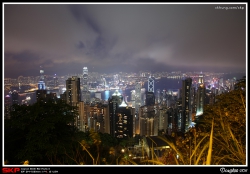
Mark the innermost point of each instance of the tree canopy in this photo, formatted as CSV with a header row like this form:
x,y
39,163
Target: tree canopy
x,y
37,131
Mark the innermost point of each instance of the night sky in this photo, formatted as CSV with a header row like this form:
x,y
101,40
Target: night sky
x,y
63,38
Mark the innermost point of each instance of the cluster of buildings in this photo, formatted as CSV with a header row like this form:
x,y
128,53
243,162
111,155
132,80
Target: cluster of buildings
x,y
150,112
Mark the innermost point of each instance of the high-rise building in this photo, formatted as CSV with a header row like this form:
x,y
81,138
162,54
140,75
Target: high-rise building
x,y
138,97
147,121
82,123
56,82
7,106
138,104
200,99
132,100
41,83
163,120
186,119
73,90
114,102
194,101
96,118
41,95
150,84
201,79
120,117
125,121
158,96
116,79
106,116
172,123
85,79
73,98
86,95
15,97
150,98
143,96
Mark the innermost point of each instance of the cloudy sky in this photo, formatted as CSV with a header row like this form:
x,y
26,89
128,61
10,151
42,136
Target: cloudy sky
x,y
63,38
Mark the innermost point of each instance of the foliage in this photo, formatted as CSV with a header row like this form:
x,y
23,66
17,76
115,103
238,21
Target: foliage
x,y
40,133
229,115
43,134
219,137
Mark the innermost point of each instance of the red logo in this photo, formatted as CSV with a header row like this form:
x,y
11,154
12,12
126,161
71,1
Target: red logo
x,y
10,170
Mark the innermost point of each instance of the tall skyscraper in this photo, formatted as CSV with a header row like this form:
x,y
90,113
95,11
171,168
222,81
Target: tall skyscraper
x,y
85,79
41,92
158,96
201,78
150,84
85,92
73,91
200,96
82,123
125,121
186,119
138,104
150,98
56,83
114,103
96,118
138,96
15,97
41,83
41,95
116,79
147,121
73,98
7,106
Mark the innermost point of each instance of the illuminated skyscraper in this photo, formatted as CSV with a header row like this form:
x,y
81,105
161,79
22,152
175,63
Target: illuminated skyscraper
x,y
137,96
158,96
7,106
15,97
85,92
163,120
147,121
125,121
56,83
41,83
41,73
96,118
201,78
41,92
73,98
116,79
138,103
73,91
200,96
85,79
150,84
114,103
186,118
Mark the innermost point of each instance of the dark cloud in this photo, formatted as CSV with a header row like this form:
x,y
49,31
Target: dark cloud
x,y
127,37
80,45
24,63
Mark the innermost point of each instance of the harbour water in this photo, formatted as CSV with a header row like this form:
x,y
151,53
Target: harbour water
x,y
161,84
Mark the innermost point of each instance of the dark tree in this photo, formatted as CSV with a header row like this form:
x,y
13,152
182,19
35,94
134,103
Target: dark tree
x,y
40,133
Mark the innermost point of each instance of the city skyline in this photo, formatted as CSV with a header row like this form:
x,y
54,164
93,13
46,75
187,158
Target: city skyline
x,y
64,38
